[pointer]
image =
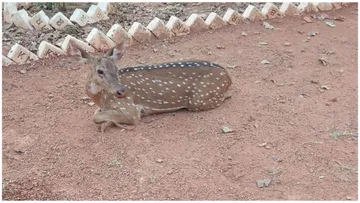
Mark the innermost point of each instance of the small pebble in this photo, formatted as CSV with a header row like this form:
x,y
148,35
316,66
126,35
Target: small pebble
x,y
287,44
23,71
226,129
91,103
244,34
160,161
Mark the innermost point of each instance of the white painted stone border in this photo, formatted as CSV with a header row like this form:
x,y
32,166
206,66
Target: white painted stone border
x,y
213,22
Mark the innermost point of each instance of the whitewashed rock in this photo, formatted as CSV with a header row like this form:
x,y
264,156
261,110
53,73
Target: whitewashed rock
x,y
288,8
80,17
21,55
140,33
232,17
159,29
307,7
6,61
177,26
71,50
96,14
9,10
22,19
48,50
196,23
24,5
252,13
323,6
59,21
214,21
337,5
105,7
118,34
270,10
40,21
99,40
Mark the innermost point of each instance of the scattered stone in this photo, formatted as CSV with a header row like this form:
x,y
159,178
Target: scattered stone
x,y
314,82
336,5
91,103
288,8
140,33
267,147
348,198
232,17
226,129
324,87
307,7
105,7
99,40
323,6
262,43
263,183
23,71
59,21
323,62
330,24
21,19
263,144
21,55
170,172
40,21
118,34
268,26
73,50
159,29
159,160
96,14
321,177
252,13
46,50
270,10
287,44
220,47
340,18
312,34
80,17
19,151
265,62
244,34
177,26
323,16
6,61
196,23
9,10
214,21
232,66
308,19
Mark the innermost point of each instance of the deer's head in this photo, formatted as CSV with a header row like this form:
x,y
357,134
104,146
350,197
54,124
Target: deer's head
x,y
103,70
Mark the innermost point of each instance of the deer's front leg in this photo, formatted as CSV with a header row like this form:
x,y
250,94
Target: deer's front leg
x,y
108,117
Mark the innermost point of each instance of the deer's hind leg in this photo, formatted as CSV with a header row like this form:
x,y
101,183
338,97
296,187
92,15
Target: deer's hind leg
x,y
106,118
206,102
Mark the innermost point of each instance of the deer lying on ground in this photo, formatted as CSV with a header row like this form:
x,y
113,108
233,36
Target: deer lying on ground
x,y
125,95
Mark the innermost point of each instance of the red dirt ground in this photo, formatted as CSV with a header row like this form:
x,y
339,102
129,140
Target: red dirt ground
x,y
53,150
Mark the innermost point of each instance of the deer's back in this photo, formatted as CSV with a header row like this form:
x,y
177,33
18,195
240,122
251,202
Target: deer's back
x,y
173,84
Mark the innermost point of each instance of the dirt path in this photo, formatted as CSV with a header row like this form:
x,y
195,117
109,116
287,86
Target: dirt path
x,y
52,149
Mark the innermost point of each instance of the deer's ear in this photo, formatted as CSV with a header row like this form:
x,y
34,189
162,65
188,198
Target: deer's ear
x,y
117,52
83,56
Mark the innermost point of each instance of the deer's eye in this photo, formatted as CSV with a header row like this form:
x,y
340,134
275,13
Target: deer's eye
x,y
101,72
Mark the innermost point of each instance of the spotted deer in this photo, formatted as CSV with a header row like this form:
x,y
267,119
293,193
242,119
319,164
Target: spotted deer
x,y
125,95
